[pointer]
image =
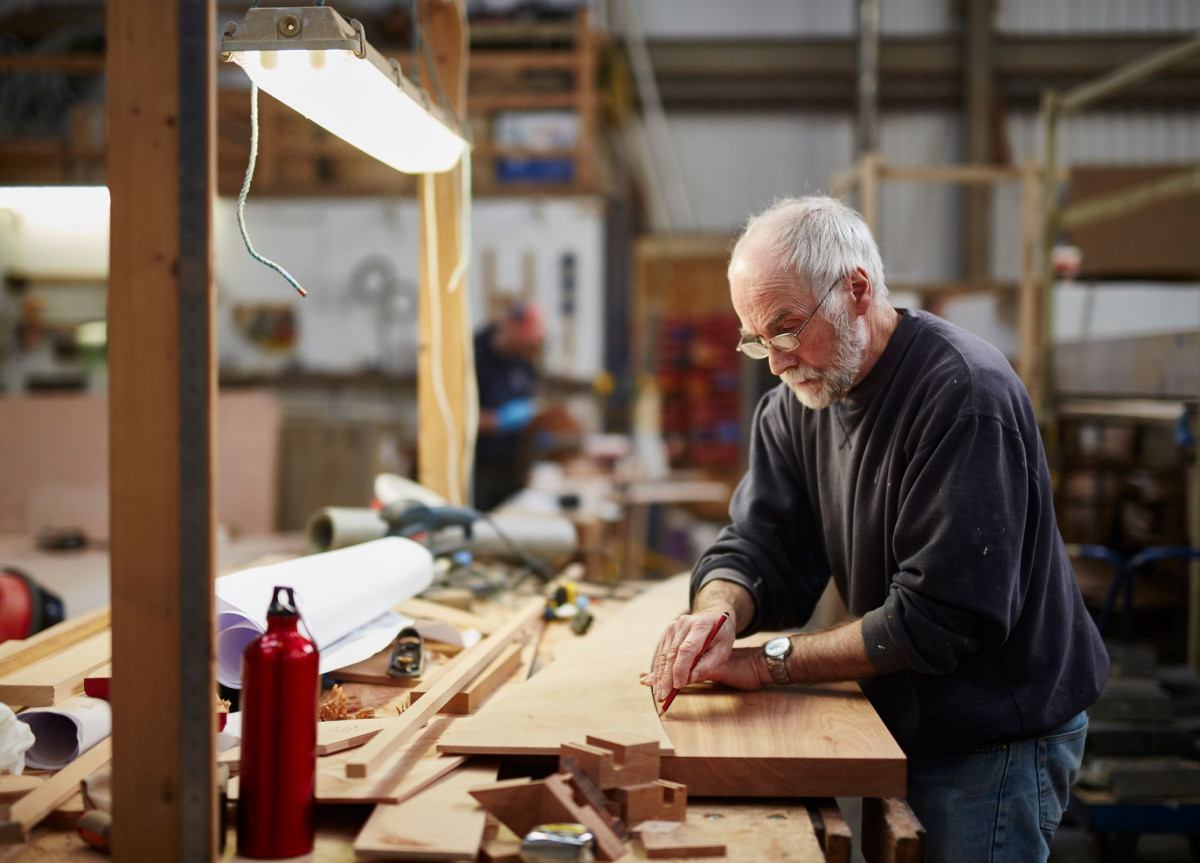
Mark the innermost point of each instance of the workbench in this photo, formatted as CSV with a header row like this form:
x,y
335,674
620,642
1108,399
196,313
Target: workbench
x,y
783,808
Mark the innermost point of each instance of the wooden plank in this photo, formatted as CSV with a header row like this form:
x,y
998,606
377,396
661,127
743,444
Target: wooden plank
x,y
591,689
469,663
26,813
752,831
162,382
831,828
443,822
1029,323
335,736
447,397
806,741
19,653
960,174
870,167
511,61
467,700
13,786
418,608
890,832
51,681
405,772
688,840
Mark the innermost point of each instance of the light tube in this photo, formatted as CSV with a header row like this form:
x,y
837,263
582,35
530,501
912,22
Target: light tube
x,y
312,60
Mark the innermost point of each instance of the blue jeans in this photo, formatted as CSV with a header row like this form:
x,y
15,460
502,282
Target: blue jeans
x,y
999,803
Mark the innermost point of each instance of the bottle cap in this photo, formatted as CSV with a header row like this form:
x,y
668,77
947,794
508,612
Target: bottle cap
x,y
283,603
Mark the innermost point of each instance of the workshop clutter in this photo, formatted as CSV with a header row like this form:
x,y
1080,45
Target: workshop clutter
x,y
341,594
605,786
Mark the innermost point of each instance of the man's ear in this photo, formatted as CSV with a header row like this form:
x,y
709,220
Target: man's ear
x,y
863,290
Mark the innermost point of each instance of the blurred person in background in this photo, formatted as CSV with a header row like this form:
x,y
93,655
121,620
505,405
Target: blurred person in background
x,y
506,355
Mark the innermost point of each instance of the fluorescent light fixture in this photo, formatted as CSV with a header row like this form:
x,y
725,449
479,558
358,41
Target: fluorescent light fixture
x,y
313,60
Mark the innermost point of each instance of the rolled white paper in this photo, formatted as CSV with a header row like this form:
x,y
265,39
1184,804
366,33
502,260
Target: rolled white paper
x,y
63,733
338,593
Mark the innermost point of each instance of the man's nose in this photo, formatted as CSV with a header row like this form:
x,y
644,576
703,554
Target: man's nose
x,y
780,361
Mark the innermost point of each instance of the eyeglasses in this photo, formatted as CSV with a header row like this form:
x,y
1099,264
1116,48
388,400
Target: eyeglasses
x,y
757,347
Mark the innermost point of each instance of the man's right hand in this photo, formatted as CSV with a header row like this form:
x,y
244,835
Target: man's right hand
x,y
682,643
685,637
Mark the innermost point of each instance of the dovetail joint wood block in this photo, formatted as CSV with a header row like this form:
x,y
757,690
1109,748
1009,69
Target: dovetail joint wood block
x,y
655,801
616,763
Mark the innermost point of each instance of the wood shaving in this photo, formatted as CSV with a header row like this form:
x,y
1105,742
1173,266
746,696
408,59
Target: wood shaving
x,y
338,707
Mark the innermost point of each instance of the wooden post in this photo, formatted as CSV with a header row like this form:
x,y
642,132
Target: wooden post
x,y
1029,350
447,398
870,167
585,103
162,387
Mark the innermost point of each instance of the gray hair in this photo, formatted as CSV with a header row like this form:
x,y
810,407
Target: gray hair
x,y
819,238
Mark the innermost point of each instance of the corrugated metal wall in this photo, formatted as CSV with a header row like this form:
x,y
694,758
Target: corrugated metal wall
x,y
683,19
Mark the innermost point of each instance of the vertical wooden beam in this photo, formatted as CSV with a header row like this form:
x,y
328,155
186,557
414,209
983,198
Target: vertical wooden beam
x,y
447,397
585,102
978,47
1051,114
161,86
1029,308
868,191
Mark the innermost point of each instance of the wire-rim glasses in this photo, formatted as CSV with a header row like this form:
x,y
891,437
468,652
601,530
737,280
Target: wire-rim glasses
x,y
757,348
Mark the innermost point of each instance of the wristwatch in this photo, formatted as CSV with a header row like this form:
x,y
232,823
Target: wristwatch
x,y
776,651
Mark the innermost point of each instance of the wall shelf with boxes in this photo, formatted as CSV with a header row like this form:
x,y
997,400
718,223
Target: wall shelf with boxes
x,y
534,106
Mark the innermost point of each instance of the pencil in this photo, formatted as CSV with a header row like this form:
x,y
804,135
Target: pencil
x,y
711,635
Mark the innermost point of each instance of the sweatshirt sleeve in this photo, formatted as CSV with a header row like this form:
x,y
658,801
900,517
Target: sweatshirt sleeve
x,y
967,506
772,546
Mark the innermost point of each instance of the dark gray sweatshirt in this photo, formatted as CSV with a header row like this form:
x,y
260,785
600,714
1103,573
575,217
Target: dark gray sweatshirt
x,y
925,493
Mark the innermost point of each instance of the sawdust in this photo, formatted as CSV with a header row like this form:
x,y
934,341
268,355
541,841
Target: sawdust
x,y
337,706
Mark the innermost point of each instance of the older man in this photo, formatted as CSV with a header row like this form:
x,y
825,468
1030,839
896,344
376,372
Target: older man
x,y
901,458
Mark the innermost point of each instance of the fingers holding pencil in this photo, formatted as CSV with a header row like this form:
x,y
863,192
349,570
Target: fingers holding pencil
x,y
692,648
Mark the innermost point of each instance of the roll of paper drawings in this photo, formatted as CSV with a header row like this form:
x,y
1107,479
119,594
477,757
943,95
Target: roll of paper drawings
x,y
345,597
64,732
337,527
545,537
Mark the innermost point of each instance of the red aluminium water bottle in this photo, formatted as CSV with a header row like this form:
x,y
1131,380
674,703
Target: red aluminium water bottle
x,y
279,737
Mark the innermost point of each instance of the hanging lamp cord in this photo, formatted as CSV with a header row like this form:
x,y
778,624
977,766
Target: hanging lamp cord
x,y
241,204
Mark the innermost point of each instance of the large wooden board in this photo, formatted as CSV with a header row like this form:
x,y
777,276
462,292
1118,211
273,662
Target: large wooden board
x,y
821,741
443,822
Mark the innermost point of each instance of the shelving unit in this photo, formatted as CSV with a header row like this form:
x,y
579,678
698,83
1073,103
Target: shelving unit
x,y
528,74
517,70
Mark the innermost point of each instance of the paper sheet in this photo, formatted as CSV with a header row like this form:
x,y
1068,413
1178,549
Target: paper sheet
x,y
63,733
344,596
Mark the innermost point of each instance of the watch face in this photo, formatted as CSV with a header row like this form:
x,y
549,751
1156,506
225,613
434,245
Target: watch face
x,y
777,647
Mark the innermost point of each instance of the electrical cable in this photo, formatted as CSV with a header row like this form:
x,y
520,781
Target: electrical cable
x,y
241,203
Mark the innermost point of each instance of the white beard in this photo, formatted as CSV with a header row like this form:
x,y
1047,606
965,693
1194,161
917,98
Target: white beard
x,y
834,382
